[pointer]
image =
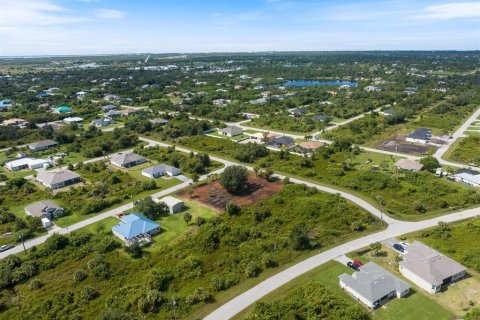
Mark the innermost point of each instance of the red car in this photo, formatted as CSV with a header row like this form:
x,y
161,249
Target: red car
x,y
358,263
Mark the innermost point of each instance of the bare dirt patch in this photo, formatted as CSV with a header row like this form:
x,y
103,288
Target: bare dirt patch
x,y
214,195
399,144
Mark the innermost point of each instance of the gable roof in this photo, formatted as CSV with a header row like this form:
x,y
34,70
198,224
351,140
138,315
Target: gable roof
x,y
133,225
311,145
282,140
373,282
39,208
56,176
170,201
41,144
128,157
429,264
232,130
320,117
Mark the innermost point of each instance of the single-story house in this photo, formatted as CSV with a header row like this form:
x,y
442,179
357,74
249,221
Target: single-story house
x,y
25,162
56,179
470,177
102,122
127,160
221,102
134,225
174,205
111,97
129,111
109,107
160,170
44,209
388,112
298,111
428,268
373,285
15,122
421,135
259,101
231,131
113,113
63,109
320,117
42,145
372,88
406,164
159,121
71,120
282,141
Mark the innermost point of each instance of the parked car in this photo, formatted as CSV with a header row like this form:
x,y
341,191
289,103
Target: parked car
x,y
353,266
358,263
6,247
398,247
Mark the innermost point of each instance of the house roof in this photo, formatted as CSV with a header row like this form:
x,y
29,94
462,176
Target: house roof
x,y
319,117
232,130
123,158
421,134
475,178
102,121
63,108
56,176
160,169
170,201
373,282
282,140
298,111
43,143
429,264
109,107
73,119
39,208
133,225
407,164
390,111
159,121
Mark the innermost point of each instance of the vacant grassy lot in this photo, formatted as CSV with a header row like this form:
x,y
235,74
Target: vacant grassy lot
x,y
465,150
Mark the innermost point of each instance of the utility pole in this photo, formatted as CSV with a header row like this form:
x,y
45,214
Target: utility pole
x,y
23,243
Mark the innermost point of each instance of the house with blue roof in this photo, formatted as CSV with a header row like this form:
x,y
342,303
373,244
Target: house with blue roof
x,y
63,109
135,228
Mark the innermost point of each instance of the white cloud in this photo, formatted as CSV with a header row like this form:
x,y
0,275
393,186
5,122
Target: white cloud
x,y
109,14
452,10
27,13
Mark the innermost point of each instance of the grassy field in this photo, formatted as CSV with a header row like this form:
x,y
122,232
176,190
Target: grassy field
x,y
465,150
415,306
101,226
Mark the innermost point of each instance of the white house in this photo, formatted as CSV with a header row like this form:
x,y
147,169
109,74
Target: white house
x,y
372,88
472,179
429,269
373,285
71,120
24,163
174,205
160,170
231,131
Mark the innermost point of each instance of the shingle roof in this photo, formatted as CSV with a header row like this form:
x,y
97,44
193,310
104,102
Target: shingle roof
x,y
429,264
373,282
283,140
56,176
123,158
43,143
170,201
37,209
233,130
161,168
133,225
421,133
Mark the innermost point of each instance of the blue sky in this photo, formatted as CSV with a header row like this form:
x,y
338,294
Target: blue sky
x,y
45,27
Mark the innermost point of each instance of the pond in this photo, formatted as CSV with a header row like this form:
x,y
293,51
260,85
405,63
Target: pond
x,y
315,83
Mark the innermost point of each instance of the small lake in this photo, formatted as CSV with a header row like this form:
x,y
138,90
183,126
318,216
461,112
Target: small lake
x,y
316,83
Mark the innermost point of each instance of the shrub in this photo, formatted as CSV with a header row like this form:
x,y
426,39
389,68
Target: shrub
x,y
88,294
234,179
35,284
79,275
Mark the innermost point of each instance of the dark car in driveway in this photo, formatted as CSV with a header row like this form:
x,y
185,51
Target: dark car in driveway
x,y
398,247
6,247
353,266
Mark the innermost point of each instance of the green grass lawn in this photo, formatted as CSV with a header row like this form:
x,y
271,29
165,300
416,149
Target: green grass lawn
x,y
104,225
414,307
234,138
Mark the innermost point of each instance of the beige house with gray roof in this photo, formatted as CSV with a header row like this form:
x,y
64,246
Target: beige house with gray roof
x,y
428,268
56,179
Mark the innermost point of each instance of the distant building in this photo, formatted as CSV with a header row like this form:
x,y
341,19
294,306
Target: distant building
x,y
127,160
428,268
282,141
56,179
231,131
15,122
42,145
174,205
44,209
410,165
389,112
321,118
26,163
109,107
159,121
160,170
310,145
373,285
298,111
421,135
259,101
469,177
62,109
111,97
71,120
113,114
221,102
99,123
372,88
